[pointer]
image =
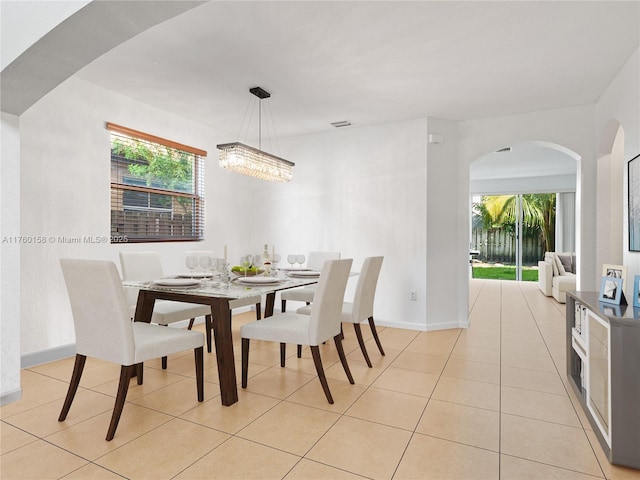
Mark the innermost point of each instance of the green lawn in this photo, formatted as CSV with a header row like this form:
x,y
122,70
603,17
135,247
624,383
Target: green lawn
x,y
504,273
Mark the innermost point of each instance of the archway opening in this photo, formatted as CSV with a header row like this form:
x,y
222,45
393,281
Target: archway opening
x,y
530,188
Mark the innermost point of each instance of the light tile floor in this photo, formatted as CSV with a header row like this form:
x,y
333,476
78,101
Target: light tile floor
x,y
488,402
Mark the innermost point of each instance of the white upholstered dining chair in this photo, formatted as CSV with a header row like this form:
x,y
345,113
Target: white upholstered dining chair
x,y
322,324
104,330
146,266
361,309
315,261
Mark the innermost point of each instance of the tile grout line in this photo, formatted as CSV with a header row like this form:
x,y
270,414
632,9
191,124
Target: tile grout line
x,y
413,433
500,387
573,406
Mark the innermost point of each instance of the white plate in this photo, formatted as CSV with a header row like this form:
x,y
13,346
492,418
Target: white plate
x,y
295,269
303,273
195,275
176,282
258,280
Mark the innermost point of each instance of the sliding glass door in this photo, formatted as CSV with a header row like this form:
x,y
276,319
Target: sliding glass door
x,y
510,233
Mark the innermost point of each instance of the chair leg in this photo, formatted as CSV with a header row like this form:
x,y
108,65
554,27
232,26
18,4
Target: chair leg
x,y
315,351
343,358
375,335
283,353
245,361
283,305
126,372
73,386
358,330
164,359
139,372
190,326
208,326
299,351
199,358
258,311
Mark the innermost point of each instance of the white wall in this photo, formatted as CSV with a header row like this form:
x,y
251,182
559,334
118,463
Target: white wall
x,y
10,259
542,184
447,239
360,191
620,104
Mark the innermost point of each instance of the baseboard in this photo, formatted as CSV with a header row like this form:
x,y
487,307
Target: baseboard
x,y
423,328
10,397
46,356
66,351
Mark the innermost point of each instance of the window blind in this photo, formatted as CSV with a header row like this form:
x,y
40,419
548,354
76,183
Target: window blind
x,y
157,188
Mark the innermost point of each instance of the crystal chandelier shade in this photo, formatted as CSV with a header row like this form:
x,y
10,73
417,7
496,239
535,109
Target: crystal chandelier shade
x,y
247,160
240,158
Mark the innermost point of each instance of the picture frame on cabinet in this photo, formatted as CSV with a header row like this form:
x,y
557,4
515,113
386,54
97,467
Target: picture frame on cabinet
x,y
636,292
617,271
610,290
633,180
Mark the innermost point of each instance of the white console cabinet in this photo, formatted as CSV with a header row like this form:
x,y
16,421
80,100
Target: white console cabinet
x,y
603,367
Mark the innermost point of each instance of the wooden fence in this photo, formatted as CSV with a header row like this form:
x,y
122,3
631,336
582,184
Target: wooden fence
x,y
497,245
150,225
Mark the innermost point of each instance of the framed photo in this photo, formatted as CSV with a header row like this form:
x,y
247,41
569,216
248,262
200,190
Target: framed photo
x,y
636,292
615,271
633,171
611,290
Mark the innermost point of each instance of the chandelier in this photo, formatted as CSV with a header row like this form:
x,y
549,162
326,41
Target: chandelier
x,y
240,158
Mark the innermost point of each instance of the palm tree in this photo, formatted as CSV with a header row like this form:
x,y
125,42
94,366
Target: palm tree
x,y
539,212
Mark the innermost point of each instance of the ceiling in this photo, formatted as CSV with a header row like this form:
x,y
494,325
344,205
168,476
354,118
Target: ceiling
x,y
523,160
368,62
373,62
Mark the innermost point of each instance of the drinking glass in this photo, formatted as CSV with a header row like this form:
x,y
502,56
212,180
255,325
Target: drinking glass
x,y
292,260
223,269
191,262
246,263
300,260
205,263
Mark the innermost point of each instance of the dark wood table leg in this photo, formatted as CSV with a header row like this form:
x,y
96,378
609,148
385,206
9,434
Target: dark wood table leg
x,y
223,339
268,307
144,307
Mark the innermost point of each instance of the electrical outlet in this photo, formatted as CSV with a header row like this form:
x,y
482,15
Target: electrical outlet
x,y
413,295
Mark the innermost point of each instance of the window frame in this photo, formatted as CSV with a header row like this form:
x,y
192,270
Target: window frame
x,y
165,221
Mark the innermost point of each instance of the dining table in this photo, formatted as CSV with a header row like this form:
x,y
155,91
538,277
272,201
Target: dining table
x,y
217,295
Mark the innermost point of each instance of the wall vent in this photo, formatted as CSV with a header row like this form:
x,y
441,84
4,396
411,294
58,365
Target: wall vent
x,y
343,123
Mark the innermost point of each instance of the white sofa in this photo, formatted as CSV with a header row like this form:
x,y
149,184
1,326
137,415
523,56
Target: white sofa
x,y
556,275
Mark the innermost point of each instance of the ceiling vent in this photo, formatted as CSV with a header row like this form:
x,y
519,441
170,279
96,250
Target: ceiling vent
x,y
343,123
504,150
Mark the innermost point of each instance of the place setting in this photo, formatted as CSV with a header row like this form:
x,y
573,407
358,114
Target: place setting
x,y
306,273
177,282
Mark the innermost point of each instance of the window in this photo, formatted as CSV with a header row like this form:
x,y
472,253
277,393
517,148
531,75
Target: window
x,y
157,188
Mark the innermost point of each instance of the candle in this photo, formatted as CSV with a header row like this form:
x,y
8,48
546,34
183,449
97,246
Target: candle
x,y
225,254
273,253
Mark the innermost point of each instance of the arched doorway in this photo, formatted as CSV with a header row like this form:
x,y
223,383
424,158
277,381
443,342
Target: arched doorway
x,y
530,178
